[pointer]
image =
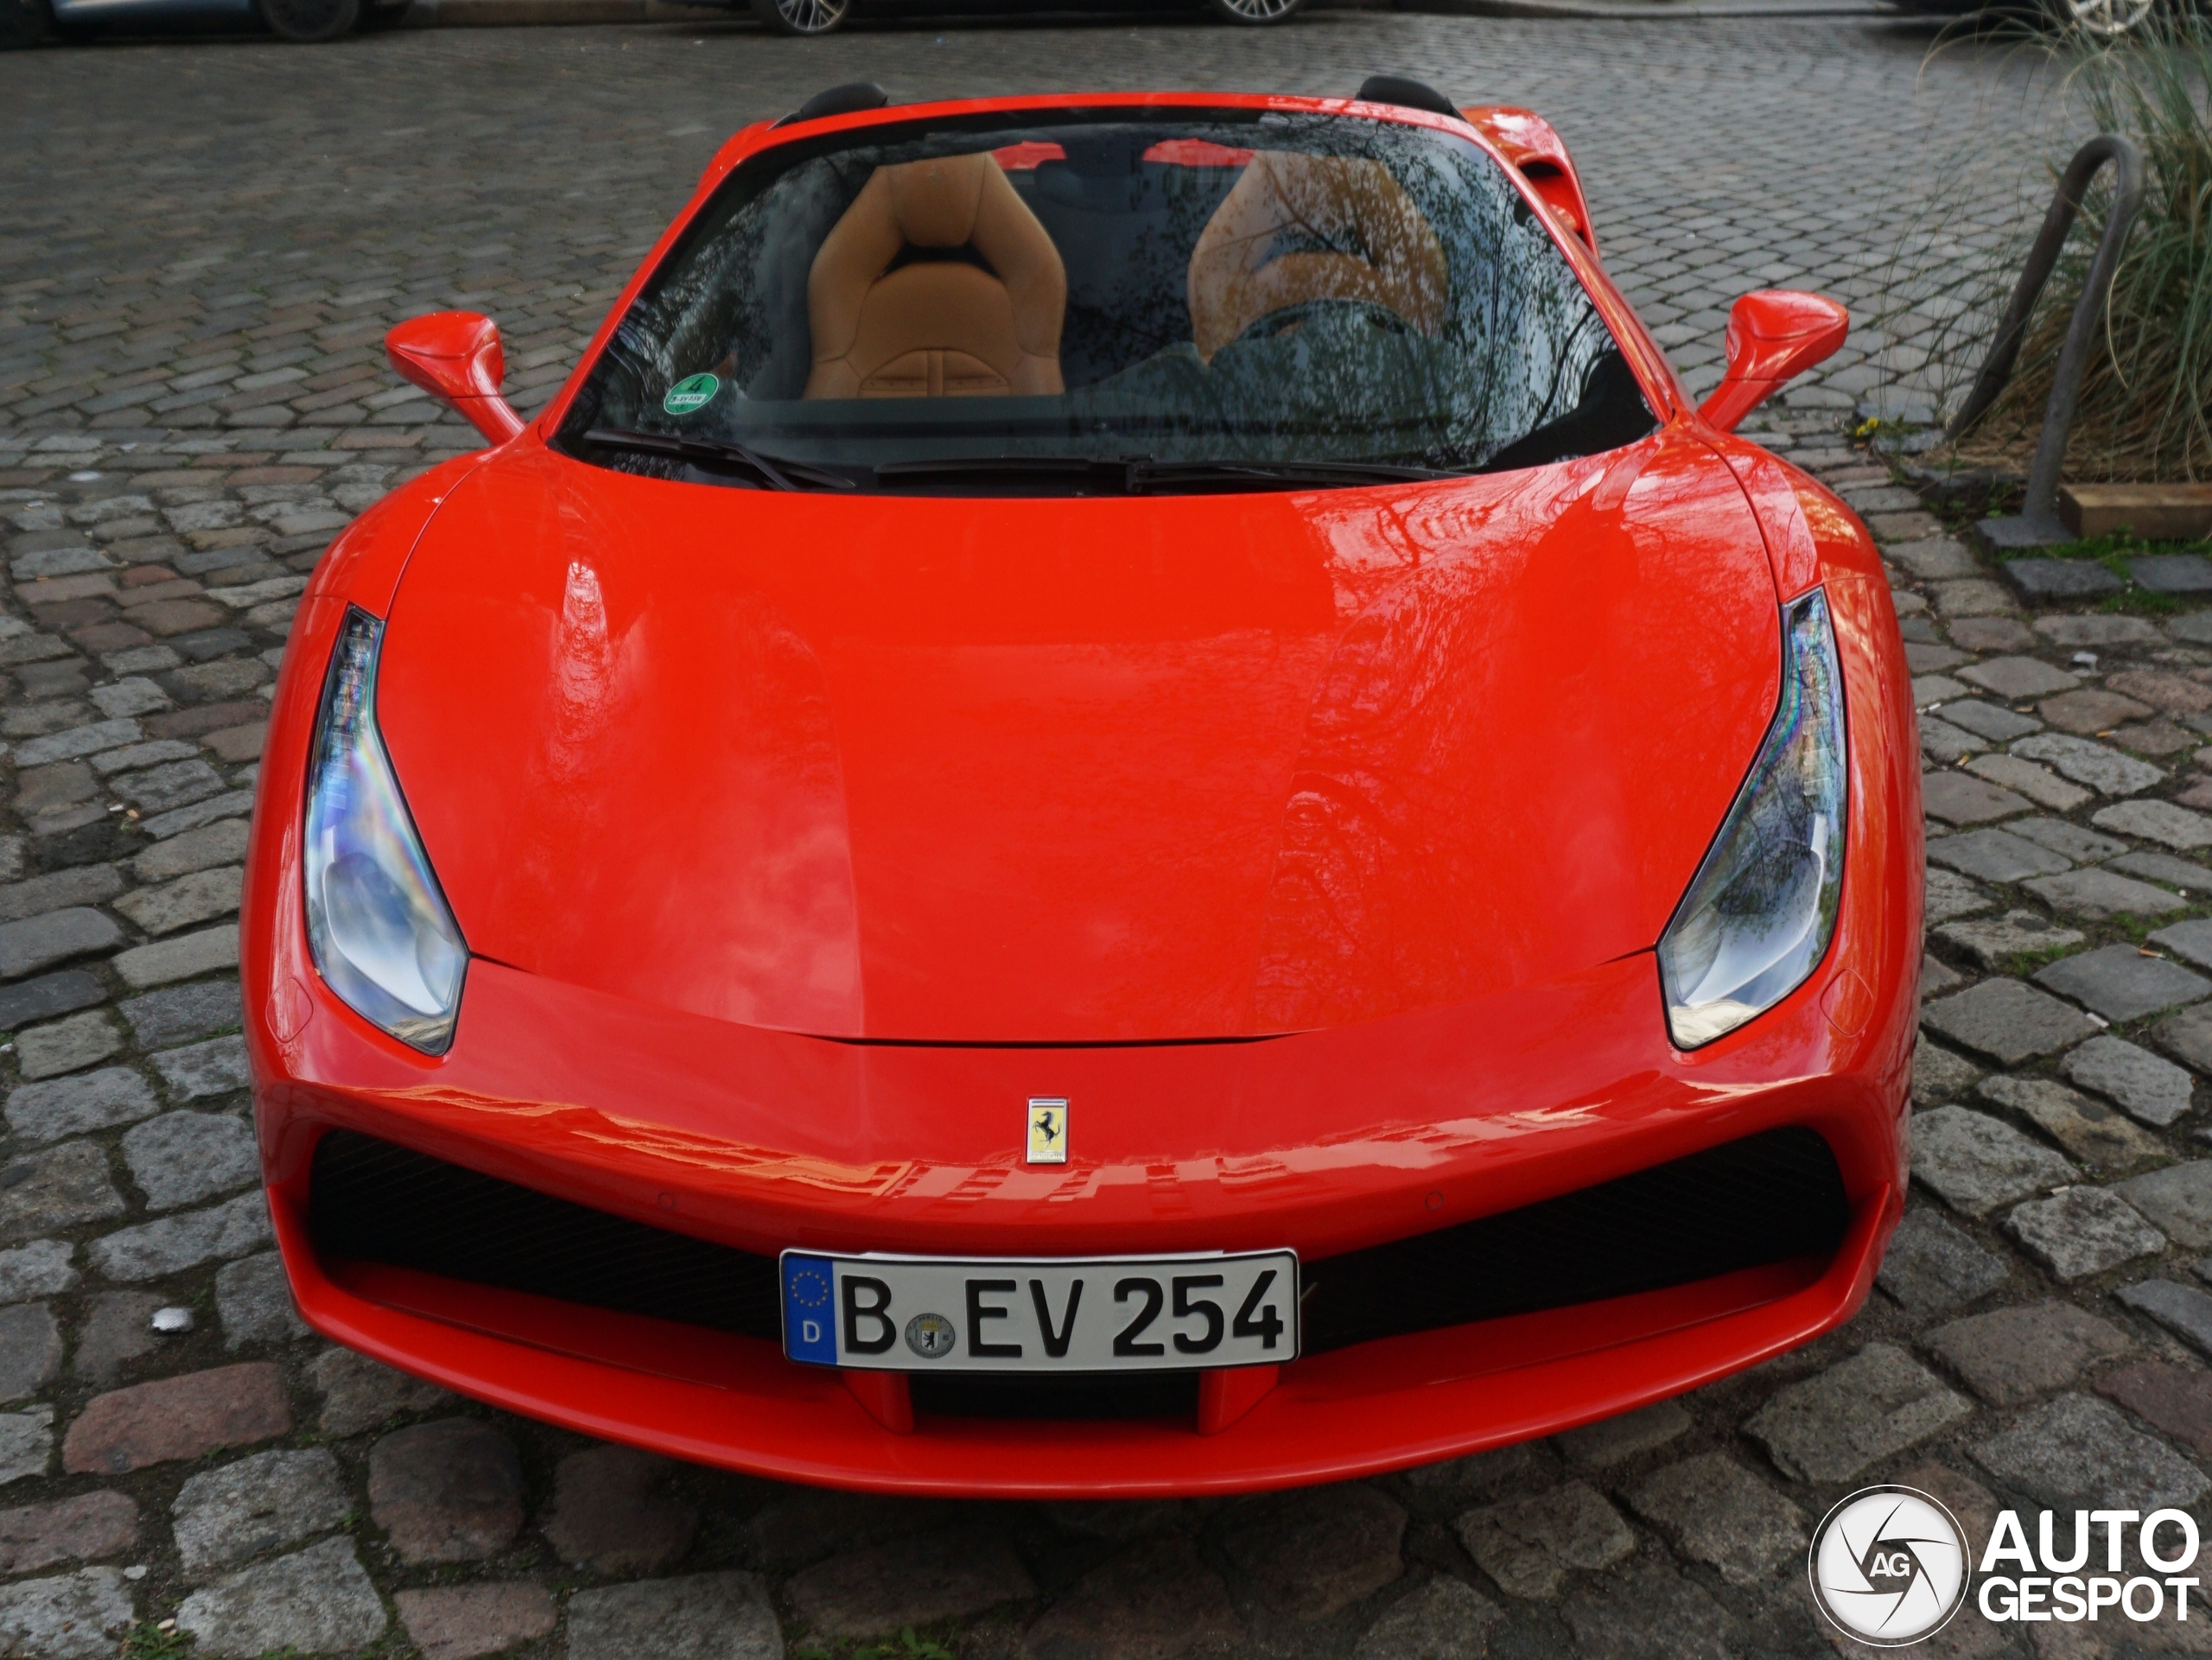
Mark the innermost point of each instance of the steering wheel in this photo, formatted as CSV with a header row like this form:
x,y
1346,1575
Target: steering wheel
x,y
1286,320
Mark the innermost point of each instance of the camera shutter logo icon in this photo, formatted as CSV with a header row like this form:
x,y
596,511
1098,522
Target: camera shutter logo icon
x,y
1889,1566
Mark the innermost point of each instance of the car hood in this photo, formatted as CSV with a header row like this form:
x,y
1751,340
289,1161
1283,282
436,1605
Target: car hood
x,y
1077,770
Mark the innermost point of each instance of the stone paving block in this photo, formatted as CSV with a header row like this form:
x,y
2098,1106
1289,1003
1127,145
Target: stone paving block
x,y
2150,1090
49,1111
1719,1512
2174,1399
2077,1452
80,1616
1617,1618
115,1330
85,1528
2056,581
1951,895
2184,1310
1479,1475
1932,1267
1160,1601
2083,1232
1940,741
1863,1409
1970,598
2017,679
316,1600
1445,1619
58,1187
359,1393
703,1617
49,994
2007,1022
2071,840
200,1070
199,896
2155,821
25,1443
183,957
2177,1200
1529,1545
2122,984
1308,1554
2089,1131
2172,573
183,1158
1962,799
44,1267
253,1301
2191,939
1936,976
460,1622
175,1013
2009,1356
1993,942
66,1046
2097,894
613,1512
1975,1163
266,1501
1613,1441
178,1417
40,941
185,1240
2104,770
1939,1075
2091,710
910,1581
2186,874
220,843
2035,782
446,1491
30,1350
1993,722
1994,855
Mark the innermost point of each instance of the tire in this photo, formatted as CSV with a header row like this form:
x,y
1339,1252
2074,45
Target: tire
x,y
310,22
1255,14
803,16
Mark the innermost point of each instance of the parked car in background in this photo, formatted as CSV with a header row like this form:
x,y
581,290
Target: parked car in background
x,y
27,22
825,17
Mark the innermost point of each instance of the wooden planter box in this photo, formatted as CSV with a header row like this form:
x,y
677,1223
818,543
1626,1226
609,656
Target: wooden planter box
x,y
2156,512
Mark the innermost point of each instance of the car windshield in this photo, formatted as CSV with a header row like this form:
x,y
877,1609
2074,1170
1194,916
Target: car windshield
x,y
1067,303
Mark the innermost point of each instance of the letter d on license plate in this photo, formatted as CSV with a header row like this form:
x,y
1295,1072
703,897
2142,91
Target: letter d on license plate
x,y
1117,1313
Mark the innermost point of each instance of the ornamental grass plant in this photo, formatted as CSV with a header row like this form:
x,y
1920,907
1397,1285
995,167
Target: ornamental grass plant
x,y
2146,408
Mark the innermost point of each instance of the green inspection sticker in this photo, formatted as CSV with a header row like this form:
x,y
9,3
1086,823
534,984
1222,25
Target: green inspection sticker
x,y
691,394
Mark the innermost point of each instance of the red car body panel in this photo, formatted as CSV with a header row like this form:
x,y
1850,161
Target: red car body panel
x,y
1313,844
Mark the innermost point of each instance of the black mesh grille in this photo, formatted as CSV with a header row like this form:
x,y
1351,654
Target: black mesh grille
x,y
1763,1200
377,1203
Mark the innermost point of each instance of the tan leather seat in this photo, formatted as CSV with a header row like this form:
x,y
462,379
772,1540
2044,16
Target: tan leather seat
x,y
937,328
1301,228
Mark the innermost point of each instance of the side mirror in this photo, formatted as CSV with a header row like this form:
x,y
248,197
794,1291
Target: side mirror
x,y
1773,336
455,356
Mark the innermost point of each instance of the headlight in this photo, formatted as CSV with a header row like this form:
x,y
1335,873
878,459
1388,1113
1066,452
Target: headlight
x,y
382,937
1758,917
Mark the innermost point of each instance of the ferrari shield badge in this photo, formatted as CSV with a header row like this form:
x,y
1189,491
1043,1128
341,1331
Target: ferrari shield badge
x,y
1048,1129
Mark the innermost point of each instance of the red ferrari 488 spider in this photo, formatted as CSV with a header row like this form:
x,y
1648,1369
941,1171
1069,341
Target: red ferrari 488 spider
x,y
1121,800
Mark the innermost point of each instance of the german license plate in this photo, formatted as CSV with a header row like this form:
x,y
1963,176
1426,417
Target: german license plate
x,y
1114,1313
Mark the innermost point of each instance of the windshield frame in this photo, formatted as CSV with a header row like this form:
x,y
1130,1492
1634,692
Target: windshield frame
x,y
1662,392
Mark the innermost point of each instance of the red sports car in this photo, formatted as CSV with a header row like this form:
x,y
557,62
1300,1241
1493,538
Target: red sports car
x,y
1121,800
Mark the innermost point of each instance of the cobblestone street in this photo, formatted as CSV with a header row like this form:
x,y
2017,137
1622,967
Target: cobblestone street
x,y
201,246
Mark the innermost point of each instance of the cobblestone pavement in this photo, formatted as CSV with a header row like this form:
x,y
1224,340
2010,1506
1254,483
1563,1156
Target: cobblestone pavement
x,y
191,403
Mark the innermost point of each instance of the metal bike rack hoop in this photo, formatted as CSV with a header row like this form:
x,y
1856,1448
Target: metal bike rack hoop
x,y
2037,524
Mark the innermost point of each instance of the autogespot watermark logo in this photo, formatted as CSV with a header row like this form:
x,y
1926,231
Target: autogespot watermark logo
x,y
1889,1566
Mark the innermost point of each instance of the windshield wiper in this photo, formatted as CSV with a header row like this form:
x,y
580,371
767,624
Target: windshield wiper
x,y
1139,475
776,471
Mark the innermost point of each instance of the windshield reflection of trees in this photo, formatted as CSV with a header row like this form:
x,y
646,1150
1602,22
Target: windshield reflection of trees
x,y
1509,365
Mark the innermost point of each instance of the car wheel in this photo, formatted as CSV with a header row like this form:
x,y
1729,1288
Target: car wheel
x,y
1255,14
2107,18
803,16
310,20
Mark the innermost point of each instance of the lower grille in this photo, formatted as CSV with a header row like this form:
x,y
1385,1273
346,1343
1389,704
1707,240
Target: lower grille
x,y
1766,1199
1745,1203
374,1202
